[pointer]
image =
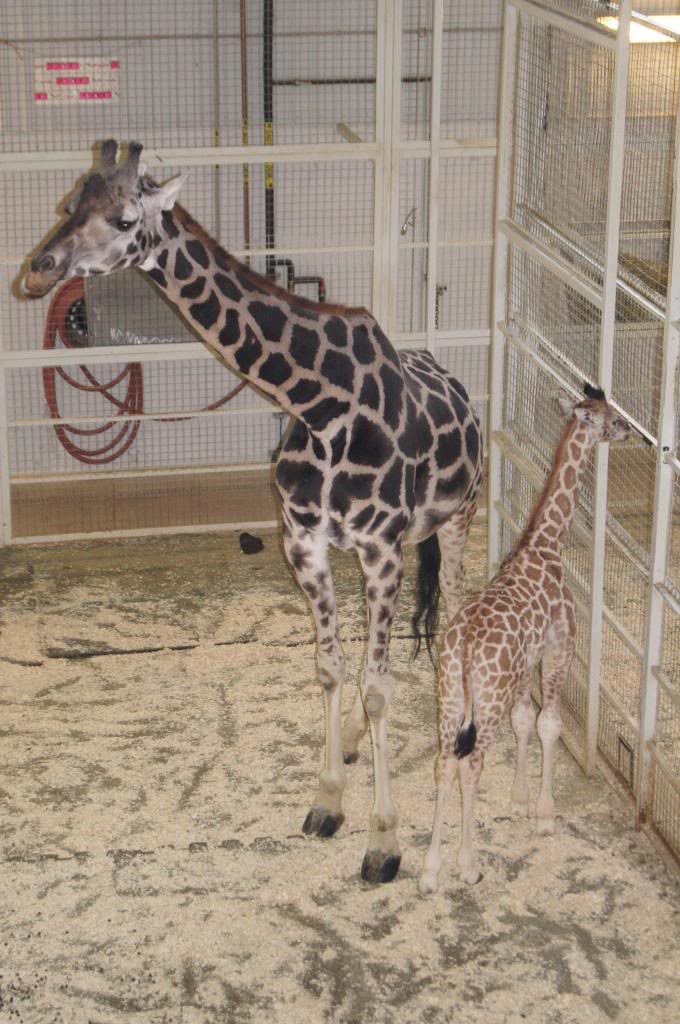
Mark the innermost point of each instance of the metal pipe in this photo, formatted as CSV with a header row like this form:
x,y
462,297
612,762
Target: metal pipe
x,y
244,129
268,111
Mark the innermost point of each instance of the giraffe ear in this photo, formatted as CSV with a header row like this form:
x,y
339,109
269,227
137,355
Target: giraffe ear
x,y
166,196
566,405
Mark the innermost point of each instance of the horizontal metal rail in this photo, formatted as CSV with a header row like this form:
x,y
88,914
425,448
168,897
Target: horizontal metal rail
x,y
523,240
600,36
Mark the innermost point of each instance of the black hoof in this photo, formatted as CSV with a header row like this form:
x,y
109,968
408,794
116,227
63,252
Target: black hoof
x,y
351,758
379,866
321,823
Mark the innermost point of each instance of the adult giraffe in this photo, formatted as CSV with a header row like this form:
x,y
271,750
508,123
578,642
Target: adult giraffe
x,y
385,448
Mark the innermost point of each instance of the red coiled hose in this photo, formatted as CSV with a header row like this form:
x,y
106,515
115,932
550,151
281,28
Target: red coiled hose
x,y
59,328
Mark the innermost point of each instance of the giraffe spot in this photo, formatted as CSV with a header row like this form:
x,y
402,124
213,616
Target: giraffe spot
x,y
249,352
457,483
338,369
385,346
409,477
369,444
440,411
362,346
362,518
183,268
338,443
393,388
570,477
298,437
162,259
248,283
318,448
307,520
472,441
370,393
169,226
386,569
304,391
395,529
198,253
371,554
231,331
349,487
300,480
206,313
563,504
379,519
275,369
270,319
324,412
193,290
371,592
335,330
448,448
422,480
228,287
158,276
131,249
390,488
304,345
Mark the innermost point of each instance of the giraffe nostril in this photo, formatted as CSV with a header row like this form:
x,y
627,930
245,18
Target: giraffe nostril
x,y
43,264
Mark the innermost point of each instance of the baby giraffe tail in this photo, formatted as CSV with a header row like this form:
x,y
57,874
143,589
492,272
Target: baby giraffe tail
x,y
466,737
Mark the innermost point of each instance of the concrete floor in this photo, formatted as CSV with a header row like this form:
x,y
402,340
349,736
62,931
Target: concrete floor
x,y
161,735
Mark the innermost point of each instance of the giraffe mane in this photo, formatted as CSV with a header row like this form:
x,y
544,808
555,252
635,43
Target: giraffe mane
x,y
263,283
549,484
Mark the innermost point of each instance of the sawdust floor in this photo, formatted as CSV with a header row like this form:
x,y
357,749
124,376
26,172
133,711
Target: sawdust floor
x,y
161,735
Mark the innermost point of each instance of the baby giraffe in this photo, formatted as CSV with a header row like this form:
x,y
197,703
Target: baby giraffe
x,y
525,615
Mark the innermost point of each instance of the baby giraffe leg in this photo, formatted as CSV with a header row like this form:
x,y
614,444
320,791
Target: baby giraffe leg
x,y
354,729
556,662
523,718
446,768
470,770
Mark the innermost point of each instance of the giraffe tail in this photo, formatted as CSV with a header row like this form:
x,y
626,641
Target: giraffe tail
x,y
427,594
466,737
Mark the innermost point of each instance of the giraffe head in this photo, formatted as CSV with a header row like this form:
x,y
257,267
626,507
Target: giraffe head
x,y
111,223
603,423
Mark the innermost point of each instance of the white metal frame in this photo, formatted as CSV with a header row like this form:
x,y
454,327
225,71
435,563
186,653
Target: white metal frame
x,y
385,153
649,761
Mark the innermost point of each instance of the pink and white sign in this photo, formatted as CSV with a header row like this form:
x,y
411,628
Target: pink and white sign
x,y
59,82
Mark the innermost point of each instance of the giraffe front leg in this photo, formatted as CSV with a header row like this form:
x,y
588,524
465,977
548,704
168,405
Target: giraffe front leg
x,y
383,574
309,559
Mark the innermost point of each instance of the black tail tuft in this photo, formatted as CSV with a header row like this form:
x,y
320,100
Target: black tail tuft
x,y
465,741
427,596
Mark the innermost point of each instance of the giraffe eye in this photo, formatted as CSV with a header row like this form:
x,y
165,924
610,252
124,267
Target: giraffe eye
x,y
124,225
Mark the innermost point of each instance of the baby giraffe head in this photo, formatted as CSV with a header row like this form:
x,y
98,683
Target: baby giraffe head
x,y
602,422
112,223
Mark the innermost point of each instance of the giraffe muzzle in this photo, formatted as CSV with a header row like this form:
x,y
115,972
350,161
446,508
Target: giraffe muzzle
x,y
43,274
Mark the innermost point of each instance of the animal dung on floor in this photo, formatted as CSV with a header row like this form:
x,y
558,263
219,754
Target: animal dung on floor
x,y
250,545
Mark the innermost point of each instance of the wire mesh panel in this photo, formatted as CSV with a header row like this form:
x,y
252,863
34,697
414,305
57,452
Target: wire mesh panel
x,y
585,296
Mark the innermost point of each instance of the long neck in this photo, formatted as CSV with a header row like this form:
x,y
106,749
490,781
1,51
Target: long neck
x,y
551,519
300,354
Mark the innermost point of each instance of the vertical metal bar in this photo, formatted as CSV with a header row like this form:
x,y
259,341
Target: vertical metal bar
x,y
607,328
245,129
385,15
5,490
663,511
435,140
500,278
216,114
268,112
391,197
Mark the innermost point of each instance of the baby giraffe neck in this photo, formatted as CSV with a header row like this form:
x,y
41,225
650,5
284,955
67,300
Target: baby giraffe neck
x,y
552,517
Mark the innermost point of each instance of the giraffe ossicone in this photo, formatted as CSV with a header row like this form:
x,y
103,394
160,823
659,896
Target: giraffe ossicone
x,y
525,616
384,449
